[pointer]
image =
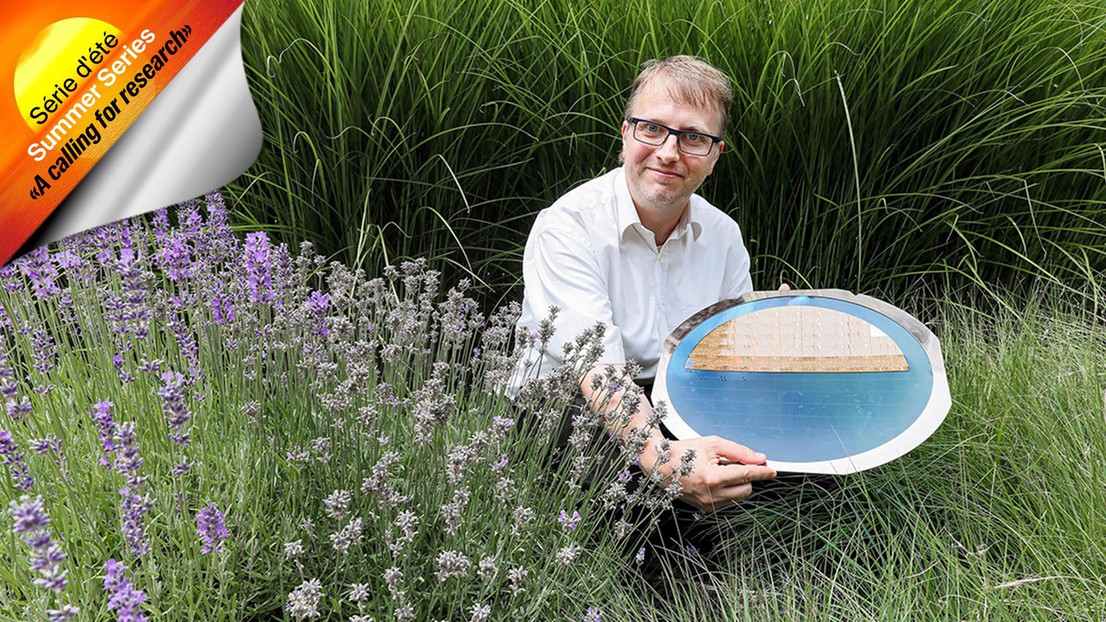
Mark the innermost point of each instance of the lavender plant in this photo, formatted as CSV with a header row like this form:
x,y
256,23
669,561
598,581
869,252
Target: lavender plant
x,y
250,433
31,523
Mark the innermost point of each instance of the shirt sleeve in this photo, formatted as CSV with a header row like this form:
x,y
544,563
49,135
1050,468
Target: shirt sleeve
x,y
560,269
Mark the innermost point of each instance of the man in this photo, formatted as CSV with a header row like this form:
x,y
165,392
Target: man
x,y
637,250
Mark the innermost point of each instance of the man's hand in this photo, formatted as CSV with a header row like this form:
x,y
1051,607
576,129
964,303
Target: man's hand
x,y
722,474
723,471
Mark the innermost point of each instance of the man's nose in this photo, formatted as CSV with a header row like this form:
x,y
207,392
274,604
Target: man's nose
x,y
670,148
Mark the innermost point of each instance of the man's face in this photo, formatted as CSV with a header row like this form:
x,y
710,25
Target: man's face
x,y
662,179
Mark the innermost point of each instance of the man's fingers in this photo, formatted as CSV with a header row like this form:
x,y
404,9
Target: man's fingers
x,y
736,474
726,475
731,452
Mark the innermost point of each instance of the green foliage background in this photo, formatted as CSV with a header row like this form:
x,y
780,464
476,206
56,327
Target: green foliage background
x,y
888,147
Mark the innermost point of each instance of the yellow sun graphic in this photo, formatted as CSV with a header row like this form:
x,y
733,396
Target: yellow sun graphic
x,y
59,61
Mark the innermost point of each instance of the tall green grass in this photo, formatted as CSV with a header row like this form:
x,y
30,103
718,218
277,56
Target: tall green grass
x,y
879,147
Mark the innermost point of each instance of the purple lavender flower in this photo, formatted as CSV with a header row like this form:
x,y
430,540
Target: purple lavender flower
x,y
38,267
284,271
65,614
161,226
216,212
101,418
14,459
68,260
28,517
593,615
118,362
127,460
212,529
114,310
5,325
188,347
71,258
217,242
136,316
183,466
8,386
569,522
30,522
135,508
188,218
120,445
207,238
98,242
222,309
176,411
175,258
125,599
17,409
337,504
258,267
317,304
49,445
127,311
45,352
10,278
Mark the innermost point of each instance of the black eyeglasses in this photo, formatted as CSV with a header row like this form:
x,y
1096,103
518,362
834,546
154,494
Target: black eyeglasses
x,y
689,142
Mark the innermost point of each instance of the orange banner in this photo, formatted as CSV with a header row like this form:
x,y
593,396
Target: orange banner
x,y
71,85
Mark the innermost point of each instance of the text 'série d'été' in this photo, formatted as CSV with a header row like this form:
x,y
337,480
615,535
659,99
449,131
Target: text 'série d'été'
x,y
106,78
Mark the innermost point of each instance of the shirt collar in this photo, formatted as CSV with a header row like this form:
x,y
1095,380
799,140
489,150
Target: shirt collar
x,y
627,217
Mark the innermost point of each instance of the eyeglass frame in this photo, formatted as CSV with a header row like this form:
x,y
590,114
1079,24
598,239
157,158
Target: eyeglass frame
x,y
714,140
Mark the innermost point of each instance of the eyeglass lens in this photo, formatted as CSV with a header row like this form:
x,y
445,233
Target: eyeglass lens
x,y
655,134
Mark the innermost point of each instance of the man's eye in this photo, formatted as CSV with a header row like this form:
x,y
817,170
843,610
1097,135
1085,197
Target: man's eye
x,y
694,139
653,128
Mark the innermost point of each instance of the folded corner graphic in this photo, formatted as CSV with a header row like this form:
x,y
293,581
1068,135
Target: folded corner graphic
x,y
820,381
170,132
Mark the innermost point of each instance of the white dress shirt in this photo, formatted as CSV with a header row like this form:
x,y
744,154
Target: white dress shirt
x,y
589,255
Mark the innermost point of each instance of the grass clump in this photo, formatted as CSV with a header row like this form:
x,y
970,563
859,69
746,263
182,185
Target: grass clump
x,y
876,147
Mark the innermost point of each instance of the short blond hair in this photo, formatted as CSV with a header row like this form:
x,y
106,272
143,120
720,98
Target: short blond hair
x,y
692,82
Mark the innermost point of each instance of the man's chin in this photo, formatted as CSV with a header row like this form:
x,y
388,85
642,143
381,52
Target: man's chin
x,y
669,189
665,196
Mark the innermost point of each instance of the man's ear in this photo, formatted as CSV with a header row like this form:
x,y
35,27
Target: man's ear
x,y
715,157
622,151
